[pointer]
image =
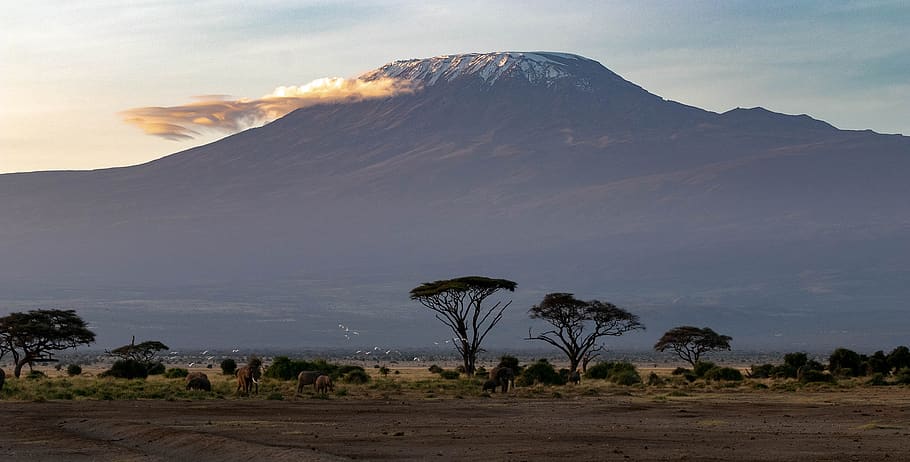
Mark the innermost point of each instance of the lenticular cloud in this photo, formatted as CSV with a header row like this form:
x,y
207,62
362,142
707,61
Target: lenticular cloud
x,y
218,113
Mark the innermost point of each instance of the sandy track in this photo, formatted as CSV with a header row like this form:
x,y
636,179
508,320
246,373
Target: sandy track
x,y
870,425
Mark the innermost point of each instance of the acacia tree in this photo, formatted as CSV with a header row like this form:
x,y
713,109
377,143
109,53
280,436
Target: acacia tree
x,y
458,303
35,335
578,324
690,343
143,353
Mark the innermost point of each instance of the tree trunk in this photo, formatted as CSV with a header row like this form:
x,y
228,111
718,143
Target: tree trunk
x,y
573,364
18,370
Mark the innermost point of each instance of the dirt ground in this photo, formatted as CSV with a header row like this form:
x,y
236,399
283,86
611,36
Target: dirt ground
x,y
860,424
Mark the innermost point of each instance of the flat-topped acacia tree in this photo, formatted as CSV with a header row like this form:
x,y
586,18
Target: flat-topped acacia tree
x,y
690,342
34,336
578,324
458,303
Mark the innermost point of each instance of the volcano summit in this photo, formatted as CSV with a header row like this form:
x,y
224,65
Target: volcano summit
x,y
544,168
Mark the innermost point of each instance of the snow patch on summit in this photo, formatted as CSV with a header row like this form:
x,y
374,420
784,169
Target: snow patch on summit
x,y
538,68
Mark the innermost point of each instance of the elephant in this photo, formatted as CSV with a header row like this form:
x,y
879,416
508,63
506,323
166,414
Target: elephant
x,y
2,379
504,377
489,385
324,384
249,375
307,378
198,381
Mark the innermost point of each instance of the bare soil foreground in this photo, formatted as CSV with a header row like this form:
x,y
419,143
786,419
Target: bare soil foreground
x,y
860,424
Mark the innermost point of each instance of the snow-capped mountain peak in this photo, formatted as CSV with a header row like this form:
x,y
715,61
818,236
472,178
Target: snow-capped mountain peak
x,y
539,68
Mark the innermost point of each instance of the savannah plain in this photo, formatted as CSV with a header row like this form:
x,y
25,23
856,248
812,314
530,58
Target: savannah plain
x,y
416,415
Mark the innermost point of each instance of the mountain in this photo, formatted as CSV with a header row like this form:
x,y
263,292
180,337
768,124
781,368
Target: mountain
x,y
545,168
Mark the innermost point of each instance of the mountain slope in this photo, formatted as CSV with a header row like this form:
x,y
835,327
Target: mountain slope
x,y
535,166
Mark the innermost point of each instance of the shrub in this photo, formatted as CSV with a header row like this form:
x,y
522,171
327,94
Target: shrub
x,y
845,362
796,360
449,375
35,375
384,371
763,371
284,368
73,370
155,368
680,371
275,396
655,380
435,369
899,358
703,367
356,376
724,373
877,379
621,373
461,369
625,377
540,372
877,364
902,376
811,376
127,369
228,367
176,372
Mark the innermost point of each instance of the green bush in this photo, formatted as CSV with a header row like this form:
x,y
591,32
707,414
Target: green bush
x,y
796,360
724,373
622,373
384,371
846,363
541,372
35,375
902,376
511,362
625,377
812,376
435,369
155,368
356,376
703,367
877,379
228,367
763,371
176,372
655,380
449,375
127,369
73,370
284,368
681,371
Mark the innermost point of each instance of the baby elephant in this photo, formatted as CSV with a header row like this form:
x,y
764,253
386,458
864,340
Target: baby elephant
x,y
324,384
489,385
306,378
198,381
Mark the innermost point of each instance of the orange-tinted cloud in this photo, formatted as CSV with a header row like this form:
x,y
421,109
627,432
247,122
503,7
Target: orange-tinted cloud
x,y
218,113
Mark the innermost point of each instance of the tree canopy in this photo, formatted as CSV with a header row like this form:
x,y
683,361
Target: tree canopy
x,y
458,303
578,324
690,343
33,336
144,352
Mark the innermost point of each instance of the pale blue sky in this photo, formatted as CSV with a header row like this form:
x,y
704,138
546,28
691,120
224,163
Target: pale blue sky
x,y
68,68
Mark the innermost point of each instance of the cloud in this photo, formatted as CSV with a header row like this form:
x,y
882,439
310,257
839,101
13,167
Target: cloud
x,y
221,114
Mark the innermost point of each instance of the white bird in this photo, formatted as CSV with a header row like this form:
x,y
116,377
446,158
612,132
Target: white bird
x,y
388,351
235,350
358,351
210,358
205,352
191,364
416,358
355,332
175,352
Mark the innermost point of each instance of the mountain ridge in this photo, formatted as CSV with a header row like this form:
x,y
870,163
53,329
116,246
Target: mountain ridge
x,y
620,195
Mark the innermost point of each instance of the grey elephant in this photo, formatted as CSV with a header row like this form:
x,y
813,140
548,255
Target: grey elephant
x,y
503,377
489,385
249,375
198,381
324,384
307,378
